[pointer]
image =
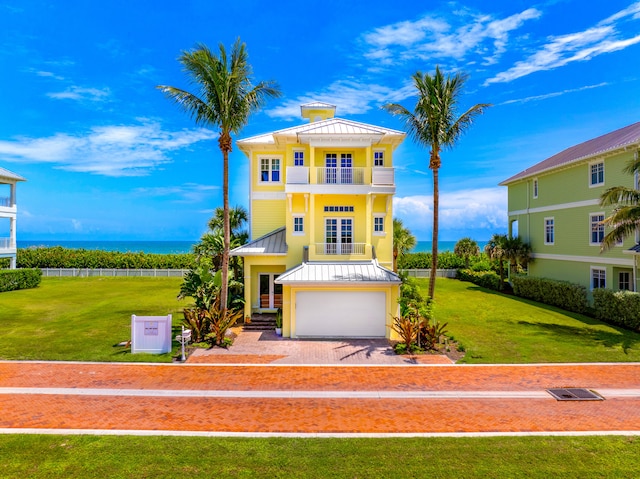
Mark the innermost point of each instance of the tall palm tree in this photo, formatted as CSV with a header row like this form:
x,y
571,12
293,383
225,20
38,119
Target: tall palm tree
x,y
225,98
403,241
434,123
625,218
466,247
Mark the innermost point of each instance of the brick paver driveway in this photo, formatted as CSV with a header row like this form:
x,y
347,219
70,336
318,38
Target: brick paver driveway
x,y
273,399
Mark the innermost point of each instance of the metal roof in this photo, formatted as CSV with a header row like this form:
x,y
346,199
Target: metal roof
x,y
351,272
273,243
317,105
9,175
615,140
633,250
331,126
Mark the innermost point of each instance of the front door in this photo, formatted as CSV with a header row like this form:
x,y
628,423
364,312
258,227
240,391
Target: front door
x,y
338,236
270,292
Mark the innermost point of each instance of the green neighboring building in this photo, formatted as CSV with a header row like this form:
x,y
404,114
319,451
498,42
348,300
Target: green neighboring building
x,y
555,207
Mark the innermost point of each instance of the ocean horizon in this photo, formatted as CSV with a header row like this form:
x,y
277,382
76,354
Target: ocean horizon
x,y
180,247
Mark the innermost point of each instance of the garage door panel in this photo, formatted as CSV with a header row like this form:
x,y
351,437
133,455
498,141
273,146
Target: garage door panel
x,y
341,314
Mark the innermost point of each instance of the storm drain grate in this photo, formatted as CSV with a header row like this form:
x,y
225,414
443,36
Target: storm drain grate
x,y
574,394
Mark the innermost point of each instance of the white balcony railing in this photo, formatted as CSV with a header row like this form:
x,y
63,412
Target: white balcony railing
x,y
340,176
5,202
6,243
383,176
339,248
298,175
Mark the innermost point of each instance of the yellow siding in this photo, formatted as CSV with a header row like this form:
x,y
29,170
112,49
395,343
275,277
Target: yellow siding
x,y
266,216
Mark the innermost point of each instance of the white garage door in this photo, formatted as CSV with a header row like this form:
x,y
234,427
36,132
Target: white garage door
x,y
352,314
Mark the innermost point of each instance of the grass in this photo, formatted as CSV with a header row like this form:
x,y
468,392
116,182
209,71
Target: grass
x,y
499,328
83,319
42,456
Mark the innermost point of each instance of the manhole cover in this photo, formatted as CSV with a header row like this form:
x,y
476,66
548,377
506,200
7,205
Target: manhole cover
x,y
574,394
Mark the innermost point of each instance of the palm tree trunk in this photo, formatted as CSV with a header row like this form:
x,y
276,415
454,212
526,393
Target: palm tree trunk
x,y
434,239
227,235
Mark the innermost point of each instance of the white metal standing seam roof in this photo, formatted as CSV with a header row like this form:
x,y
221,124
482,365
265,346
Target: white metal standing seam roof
x,y
332,126
9,175
273,243
336,272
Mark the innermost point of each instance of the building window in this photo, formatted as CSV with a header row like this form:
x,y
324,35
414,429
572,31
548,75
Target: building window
x,y
549,231
535,188
598,278
270,170
597,174
338,209
378,225
298,158
597,229
378,158
298,225
624,281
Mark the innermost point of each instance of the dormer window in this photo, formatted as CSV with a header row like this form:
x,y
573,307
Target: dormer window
x,y
378,158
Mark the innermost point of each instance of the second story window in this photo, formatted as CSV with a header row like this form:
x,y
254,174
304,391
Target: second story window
x,y
549,231
270,170
597,228
378,158
597,174
298,158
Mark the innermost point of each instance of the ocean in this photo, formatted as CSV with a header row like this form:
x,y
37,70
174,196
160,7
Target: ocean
x,y
181,247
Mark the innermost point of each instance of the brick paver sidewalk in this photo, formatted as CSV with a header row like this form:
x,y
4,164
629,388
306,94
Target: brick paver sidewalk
x,y
191,399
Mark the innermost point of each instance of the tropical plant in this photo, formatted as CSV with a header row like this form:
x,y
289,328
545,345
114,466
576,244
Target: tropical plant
x,y
220,320
225,99
279,318
434,123
625,218
466,247
517,253
403,241
495,249
197,321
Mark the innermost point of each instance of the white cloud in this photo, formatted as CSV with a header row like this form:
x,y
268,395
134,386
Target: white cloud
x,y
553,94
580,46
82,94
128,150
186,193
478,212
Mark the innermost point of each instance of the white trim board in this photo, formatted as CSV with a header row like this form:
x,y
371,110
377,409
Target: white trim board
x,y
585,259
560,206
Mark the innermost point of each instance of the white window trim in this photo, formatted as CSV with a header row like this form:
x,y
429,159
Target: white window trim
x,y
596,268
383,158
536,188
270,158
591,215
596,185
304,160
293,227
379,233
545,230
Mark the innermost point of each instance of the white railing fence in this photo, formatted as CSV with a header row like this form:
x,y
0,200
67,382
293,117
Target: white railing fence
x,y
5,202
340,176
426,273
340,248
86,272
6,243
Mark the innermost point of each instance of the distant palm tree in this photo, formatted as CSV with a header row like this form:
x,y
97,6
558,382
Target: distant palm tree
x,y
434,123
466,247
495,249
625,218
225,99
403,241
517,252
238,217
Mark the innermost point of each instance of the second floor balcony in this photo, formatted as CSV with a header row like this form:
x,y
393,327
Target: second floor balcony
x,y
301,175
6,244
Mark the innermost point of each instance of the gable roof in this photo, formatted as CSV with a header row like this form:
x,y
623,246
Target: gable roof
x,y
624,137
9,175
273,244
351,272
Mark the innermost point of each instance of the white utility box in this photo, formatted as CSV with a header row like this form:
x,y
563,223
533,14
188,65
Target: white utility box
x,y
151,334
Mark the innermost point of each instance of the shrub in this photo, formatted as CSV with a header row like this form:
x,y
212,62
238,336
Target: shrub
x,y
486,279
565,295
13,279
621,308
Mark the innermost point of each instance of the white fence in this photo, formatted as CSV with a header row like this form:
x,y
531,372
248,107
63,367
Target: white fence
x,y
85,272
426,273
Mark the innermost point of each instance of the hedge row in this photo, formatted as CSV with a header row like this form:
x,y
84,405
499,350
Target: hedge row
x,y
13,279
59,257
486,279
565,295
620,307
446,260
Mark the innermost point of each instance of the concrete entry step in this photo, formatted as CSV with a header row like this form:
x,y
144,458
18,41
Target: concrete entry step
x,y
261,322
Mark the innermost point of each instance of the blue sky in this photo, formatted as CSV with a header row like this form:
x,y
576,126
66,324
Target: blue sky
x,y
108,157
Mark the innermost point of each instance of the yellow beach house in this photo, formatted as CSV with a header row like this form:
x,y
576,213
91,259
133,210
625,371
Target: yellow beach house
x,y
321,198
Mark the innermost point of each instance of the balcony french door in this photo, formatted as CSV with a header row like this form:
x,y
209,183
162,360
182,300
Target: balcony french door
x,y
338,236
333,173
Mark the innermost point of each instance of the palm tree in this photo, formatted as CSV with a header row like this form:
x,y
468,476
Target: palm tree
x,y
516,252
238,216
225,99
466,247
403,241
434,123
496,251
625,218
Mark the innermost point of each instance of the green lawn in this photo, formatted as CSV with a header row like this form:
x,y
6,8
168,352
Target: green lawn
x,y
83,319
499,328
40,456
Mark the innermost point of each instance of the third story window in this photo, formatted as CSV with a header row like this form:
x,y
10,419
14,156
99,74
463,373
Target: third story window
x,y
270,169
597,173
298,158
378,158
